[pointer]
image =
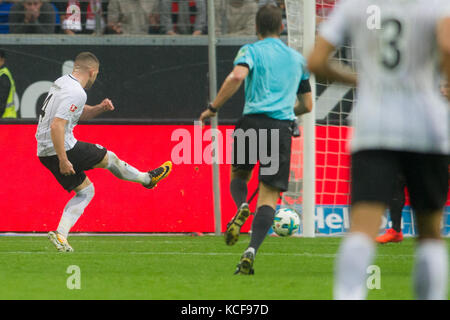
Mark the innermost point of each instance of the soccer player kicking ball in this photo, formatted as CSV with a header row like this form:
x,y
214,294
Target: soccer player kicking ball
x,y
67,158
401,126
275,75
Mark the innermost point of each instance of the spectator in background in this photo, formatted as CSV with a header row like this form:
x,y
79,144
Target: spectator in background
x,y
79,17
131,17
7,90
32,16
190,18
5,6
323,8
236,17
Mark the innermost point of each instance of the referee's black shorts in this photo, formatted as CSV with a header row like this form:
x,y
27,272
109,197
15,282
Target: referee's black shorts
x,y
256,136
375,177
83,156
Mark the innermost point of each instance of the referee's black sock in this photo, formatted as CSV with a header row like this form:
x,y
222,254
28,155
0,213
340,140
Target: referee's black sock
x,y
261,224
238,188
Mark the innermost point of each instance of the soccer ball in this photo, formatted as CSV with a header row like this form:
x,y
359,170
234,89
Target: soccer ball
x,y
286,222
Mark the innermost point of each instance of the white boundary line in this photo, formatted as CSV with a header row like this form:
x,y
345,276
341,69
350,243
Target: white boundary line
x,y
169,253
172,253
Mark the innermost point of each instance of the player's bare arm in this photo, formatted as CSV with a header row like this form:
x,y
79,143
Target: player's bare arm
x,y
443,37
320,64
230,86
90,112
57,133
304,104
445,89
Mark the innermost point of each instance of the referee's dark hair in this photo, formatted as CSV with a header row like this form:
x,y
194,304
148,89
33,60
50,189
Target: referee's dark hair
x,y
2,54
269,20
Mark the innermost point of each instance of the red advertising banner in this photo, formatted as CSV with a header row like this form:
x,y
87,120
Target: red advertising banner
x,y
32,200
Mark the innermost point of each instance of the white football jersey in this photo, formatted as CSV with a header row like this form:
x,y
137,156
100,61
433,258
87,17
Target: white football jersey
x,y
399,106
65,100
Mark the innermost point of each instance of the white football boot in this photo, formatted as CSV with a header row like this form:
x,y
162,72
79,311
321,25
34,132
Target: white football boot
x,y
59,241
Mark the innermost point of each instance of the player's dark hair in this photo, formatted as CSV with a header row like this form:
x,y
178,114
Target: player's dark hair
x,y
2,54
269,20
86,58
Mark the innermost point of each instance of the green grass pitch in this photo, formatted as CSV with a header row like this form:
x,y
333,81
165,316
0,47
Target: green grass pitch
x,y
184,267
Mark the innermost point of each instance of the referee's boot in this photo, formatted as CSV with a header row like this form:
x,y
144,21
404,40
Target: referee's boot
x,y
59,241
245,266
234,226
158,174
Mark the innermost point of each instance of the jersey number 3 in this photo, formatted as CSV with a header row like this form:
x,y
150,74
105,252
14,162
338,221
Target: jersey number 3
x,y
391,33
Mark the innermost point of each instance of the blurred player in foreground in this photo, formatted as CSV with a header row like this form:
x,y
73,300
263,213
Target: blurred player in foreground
x,y
275,75
397,203
67,158
401,126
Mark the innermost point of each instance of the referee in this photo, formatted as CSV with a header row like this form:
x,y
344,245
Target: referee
x,y
275,76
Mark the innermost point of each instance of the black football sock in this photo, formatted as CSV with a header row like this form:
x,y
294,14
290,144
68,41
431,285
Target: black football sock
x,y
396,217
238,188
396,208
261,224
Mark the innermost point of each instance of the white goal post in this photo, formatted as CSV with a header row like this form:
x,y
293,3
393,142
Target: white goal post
x,y
301,25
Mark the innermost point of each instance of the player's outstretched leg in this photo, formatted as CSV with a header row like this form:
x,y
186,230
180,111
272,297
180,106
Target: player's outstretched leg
x,y
72,212
124,171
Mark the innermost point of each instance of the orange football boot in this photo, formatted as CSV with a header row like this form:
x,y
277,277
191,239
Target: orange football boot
x,y
390,236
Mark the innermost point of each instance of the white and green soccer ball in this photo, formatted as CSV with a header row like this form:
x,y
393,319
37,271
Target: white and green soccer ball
x,y
286,222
